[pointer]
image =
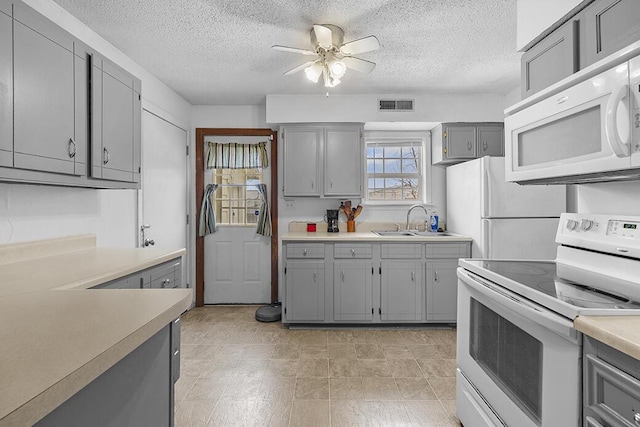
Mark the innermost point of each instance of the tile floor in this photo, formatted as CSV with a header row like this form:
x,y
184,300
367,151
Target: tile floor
x,y
240,372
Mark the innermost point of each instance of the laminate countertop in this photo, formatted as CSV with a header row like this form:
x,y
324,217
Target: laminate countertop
x,y
57,335
619,332
370,236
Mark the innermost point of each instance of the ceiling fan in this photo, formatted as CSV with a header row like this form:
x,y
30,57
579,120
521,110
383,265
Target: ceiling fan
x,y
333,56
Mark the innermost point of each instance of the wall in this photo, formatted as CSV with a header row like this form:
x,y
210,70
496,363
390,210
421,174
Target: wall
x,y
364,108
621,198
30,212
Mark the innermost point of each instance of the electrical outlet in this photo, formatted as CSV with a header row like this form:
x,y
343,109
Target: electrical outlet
x,y
289,204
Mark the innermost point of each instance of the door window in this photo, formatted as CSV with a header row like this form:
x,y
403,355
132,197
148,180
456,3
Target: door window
x,y
237,200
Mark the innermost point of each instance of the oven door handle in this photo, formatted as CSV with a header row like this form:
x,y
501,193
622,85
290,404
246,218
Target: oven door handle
x,y
552,321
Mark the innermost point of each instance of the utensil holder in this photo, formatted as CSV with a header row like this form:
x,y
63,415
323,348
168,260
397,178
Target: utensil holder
x,y
351,226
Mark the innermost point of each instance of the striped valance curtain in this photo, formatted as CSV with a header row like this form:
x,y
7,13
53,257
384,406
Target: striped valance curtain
x,y
231,155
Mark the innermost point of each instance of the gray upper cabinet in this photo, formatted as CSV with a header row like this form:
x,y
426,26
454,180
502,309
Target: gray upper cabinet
x,y
343,161
49,125
301,152
456,142
490,140
609,25
551,60
115,125
6,87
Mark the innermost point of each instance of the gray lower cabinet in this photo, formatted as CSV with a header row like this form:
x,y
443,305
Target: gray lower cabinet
x,y
352,290
115,122
305,291
136,391
364,283
6,90
611,386
442,290
167,275
401,288
50,107
608,26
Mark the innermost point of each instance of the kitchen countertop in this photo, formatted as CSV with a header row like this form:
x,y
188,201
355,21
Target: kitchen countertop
x,y
367,236
57,335
619,332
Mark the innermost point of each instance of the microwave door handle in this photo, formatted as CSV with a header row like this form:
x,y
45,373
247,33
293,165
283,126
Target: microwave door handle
x,y
561,326
619,147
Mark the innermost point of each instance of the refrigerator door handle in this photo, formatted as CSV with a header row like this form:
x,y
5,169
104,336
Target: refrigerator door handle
x,y
486,189
486,231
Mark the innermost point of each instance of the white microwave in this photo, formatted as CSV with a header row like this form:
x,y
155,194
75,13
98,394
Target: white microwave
x,y
589,132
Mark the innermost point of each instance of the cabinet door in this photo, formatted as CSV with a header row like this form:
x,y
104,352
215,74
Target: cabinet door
x,y
490,141
551,60
461,142
342,161
44,100
301,147
352,290
304,282
442,290
80,143
402,290
6,92
609,25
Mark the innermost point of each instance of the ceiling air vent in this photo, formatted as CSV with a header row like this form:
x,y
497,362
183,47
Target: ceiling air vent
x,y
395,105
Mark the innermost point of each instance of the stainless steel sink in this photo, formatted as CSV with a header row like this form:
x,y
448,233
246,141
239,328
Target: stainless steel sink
x,y
394,233
411,233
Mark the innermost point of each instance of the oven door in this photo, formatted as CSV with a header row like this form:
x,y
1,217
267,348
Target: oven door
x,y
584,129
522,361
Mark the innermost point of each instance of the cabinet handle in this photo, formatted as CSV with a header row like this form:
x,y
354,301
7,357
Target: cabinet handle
x,y
312,184
331,183
304,252
469,145
165,283
314,275
353,252
413,276
485,145
435,276
71,148
343,275
105,159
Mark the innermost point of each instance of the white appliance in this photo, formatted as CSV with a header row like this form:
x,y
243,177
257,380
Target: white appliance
x,y
518,354
505,220
588,132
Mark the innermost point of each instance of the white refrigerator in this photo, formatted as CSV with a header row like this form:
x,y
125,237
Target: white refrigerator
x,y
505,220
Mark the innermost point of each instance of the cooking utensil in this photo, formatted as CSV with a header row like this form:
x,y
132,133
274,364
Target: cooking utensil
x,y
357,212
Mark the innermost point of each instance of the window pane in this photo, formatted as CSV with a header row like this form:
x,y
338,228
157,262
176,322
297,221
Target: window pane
x,y
378,166
379,183
392,166
410,166
392,152
370,166
378,152
410,152
370,151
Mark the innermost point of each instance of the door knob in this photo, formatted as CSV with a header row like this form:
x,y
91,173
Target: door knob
x,y
149,242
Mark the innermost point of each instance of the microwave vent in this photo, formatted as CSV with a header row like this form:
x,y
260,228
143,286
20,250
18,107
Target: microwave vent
x,y
395,105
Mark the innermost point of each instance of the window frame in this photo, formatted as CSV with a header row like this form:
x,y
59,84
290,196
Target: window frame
x,y
398,140
217,178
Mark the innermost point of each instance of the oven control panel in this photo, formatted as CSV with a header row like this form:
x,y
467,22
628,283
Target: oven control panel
x,y
617,234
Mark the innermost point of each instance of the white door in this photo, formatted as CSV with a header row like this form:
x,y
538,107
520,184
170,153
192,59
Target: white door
x,y
164,184
237,261
520,238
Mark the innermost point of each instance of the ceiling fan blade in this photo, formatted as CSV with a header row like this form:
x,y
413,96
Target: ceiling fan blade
x,y
323,35
299,68
293,49
366,44
359,64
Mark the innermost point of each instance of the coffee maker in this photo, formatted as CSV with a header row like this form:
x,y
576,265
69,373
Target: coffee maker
x,y
332,221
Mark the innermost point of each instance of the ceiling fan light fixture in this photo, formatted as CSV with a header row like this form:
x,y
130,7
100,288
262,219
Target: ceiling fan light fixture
x,y
313,72
338,68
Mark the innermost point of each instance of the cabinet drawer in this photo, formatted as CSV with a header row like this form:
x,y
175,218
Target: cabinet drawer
x,y
352,250
447,250
162,270
162,282
611,394
305,250
401,250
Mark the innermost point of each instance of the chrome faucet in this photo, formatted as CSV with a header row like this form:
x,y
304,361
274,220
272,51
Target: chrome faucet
x,y
412,208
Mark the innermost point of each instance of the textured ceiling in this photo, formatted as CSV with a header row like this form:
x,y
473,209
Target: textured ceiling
x,y
219,51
